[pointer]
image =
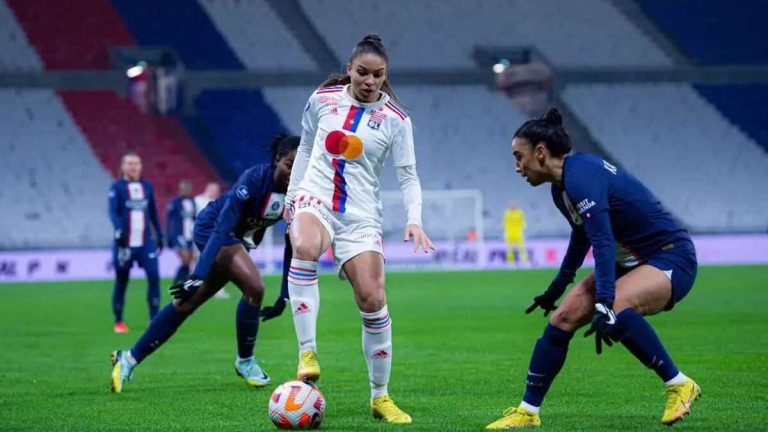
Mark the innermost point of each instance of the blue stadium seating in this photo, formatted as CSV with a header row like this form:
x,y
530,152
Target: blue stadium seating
x,y
239,121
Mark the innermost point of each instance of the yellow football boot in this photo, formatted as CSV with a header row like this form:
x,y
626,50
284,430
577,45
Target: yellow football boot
x,y
309,368
680,397
383,407
122,371
516,418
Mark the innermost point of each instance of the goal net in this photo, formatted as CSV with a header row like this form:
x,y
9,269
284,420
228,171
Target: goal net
x,y
452,218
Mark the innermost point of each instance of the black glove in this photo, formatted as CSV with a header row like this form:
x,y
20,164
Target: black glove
x,y
160,244
273,311
546,301
121,238
186,289
602,326
123,256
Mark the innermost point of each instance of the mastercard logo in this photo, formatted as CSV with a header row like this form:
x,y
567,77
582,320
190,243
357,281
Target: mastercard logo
x,y
338,143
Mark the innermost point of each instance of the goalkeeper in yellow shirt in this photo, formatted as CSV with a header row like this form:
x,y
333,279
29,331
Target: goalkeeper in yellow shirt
x,y
514,228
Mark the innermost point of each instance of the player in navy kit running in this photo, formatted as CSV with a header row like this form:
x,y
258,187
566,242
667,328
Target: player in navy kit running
x,y
132,208
181,223
644,264
224,231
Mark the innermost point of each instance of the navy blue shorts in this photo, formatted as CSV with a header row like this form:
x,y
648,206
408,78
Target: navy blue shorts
x,y
179,242
204,232
145,256
678,261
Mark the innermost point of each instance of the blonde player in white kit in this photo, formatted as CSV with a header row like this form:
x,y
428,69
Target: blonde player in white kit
x,y
350,127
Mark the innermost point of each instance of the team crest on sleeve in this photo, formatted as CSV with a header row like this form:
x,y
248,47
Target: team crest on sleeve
x,y
242,192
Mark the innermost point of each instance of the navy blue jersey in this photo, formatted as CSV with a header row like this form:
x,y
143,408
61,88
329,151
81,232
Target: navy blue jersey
x,y
242,214
180,220
132,208
613,212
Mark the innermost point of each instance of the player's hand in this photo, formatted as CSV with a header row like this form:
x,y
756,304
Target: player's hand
x,y
123,256
602,326
121,238
160,244
546,301
420,239
186,289
273,311
288,211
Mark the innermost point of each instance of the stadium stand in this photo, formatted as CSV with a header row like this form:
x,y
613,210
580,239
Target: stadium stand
x,y
589,32
715,32
239,121
114,125
266,46
67,38
702,167
697,29
16,53
55,187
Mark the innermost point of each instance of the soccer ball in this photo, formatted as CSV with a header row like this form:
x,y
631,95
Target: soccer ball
x,y
297,405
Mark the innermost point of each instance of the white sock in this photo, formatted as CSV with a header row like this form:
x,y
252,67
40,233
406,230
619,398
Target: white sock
x,y
305,302
678,379
129,358
240,360
377,347
528,407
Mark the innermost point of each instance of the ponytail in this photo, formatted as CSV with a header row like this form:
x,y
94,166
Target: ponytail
x,y
549,130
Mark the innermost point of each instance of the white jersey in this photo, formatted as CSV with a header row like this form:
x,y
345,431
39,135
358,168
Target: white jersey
x,y
349,143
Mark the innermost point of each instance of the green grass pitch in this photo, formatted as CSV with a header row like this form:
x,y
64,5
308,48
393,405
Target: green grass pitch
x,y
461,350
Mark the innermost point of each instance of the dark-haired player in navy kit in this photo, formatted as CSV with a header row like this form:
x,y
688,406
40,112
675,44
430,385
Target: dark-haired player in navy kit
x,y
224,231
644,264
180,223
132,209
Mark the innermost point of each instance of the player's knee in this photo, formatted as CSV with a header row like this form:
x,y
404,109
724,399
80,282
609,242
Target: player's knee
x,y
568,319
185,308
305,250
253,293
371,300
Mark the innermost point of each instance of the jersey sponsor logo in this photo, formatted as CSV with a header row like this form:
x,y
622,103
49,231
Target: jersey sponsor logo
x,y
338,143
136,204
575,218
242,192
584,205
609,167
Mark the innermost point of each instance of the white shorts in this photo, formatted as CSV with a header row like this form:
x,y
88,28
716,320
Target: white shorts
x,y
350,236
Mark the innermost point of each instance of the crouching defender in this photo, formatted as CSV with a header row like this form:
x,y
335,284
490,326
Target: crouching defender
x,y
224,231
644,264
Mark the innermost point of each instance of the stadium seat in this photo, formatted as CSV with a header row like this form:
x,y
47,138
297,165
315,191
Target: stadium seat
x,y
704,169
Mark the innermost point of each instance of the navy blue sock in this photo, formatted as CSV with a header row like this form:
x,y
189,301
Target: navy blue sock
x,y
247,323
181,274
162,327
547,360
153,292
634,332
118,293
